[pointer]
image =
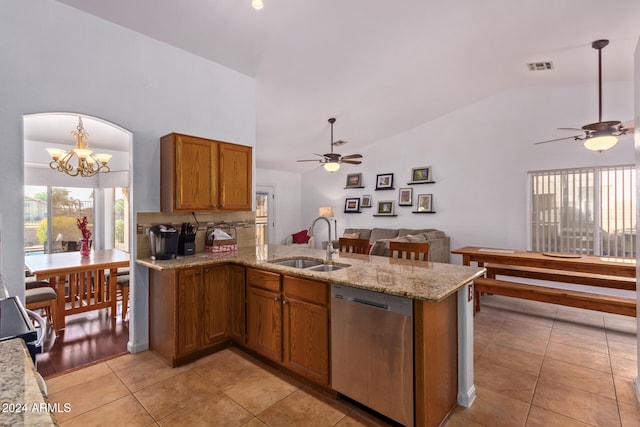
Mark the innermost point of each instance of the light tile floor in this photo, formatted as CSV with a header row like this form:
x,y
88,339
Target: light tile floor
x,y
535,365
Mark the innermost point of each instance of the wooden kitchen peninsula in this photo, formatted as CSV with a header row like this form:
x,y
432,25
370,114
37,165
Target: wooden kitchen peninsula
x,y
443,313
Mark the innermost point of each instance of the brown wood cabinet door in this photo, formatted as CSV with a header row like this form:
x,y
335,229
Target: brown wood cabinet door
x,y
264,327
196,173
306,339
188,311
235,177
214,319
237,299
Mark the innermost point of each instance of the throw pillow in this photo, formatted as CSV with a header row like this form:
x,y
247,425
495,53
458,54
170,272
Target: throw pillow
x,y
300,237
351,235
416,238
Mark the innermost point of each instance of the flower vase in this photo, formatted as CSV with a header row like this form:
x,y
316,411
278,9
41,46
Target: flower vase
x,y
85,247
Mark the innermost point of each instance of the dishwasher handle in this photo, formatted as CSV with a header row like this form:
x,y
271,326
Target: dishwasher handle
x,y
372,304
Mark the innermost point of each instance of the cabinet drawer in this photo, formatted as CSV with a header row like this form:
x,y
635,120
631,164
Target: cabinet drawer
x,y
263,279
306,290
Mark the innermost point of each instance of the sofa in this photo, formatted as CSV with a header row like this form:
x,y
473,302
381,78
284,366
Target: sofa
x,y
291,241
439,243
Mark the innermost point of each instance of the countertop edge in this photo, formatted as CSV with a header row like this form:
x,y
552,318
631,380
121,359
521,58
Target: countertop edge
x,y
25,403
361,268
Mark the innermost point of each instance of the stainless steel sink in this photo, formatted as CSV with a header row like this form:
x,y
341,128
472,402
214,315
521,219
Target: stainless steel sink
x,y
309,264
299,262
327,267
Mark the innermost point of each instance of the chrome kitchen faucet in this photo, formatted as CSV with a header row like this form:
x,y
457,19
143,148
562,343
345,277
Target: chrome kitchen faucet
x,y
330,250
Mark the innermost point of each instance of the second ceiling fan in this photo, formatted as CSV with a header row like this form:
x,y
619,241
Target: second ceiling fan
x,y
601,135
331,161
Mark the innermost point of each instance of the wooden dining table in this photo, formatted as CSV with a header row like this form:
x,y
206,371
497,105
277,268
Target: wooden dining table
x,y
612,266
81,283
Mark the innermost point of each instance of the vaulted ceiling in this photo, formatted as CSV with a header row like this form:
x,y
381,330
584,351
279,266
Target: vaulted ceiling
x,y
379,66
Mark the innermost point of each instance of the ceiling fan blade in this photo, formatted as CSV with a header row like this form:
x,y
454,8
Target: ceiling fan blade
x,y
314,160
351,162
575,137
353,156
628,125
578,129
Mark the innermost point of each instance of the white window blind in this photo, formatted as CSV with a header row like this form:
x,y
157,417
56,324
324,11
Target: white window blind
x,y
584,210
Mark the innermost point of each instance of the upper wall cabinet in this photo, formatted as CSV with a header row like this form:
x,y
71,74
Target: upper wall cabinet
x,y
198,174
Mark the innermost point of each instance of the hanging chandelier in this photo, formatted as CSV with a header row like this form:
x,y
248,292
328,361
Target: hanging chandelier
x,y
89,164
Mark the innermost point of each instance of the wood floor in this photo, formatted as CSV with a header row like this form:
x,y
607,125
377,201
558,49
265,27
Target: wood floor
x,y
88,337
536,364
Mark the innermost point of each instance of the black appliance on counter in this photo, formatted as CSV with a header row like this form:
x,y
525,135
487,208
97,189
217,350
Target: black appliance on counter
x,y
187,239
15,323
163,239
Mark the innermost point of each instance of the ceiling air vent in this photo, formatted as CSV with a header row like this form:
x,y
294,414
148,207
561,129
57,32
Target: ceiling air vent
x,y
540,66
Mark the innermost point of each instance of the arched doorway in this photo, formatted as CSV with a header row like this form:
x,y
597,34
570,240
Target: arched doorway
x,y
54,200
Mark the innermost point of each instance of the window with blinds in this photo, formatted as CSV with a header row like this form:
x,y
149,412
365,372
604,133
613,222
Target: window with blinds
x,y
585,210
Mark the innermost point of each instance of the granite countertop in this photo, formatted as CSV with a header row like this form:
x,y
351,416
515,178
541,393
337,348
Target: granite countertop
x,y
430,281
21,401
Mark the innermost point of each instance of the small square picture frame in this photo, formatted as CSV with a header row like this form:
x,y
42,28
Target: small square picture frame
x,y
352,204
385,208
421,174
384,181
405,197
425,203
366,201
354,180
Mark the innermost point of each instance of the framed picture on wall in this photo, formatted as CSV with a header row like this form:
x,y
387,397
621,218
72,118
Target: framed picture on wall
x,y
354,180
421,174
425,203
352,205
405,197
366,201
385,207
384,181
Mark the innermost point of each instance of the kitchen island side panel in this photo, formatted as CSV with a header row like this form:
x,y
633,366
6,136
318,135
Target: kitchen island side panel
x,y
436,360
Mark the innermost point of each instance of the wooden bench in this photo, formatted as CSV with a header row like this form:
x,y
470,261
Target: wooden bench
x,y
604,281
574,298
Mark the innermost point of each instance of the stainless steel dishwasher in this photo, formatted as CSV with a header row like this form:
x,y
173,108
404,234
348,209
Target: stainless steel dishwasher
x,y
372,350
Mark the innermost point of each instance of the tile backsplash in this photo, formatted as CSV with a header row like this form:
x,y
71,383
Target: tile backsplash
x,y
244,225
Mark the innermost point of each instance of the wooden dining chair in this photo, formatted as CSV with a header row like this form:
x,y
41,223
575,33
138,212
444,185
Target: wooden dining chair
x,y
418,251
44,298
356,246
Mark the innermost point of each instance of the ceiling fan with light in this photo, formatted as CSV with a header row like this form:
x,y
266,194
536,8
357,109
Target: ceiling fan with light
x,y
331,161
601,135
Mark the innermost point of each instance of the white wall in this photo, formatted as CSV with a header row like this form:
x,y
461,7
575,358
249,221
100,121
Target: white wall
x,y
287,192
56,58
480,156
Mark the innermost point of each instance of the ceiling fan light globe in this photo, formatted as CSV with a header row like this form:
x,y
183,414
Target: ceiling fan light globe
x,y
600,142
331,166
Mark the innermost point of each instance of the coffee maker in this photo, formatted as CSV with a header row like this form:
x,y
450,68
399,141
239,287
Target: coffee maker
x,y
163,239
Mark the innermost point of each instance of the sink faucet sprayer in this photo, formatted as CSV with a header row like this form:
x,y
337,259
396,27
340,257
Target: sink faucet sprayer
x,y
330,250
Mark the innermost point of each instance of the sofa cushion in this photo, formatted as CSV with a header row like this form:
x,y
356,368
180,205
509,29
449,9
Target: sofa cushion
x,y
413,231
416,238
383,233
381,246
364,233
300,237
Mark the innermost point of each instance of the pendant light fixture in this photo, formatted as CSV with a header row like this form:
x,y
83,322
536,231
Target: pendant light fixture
x,y
257,4
88,164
